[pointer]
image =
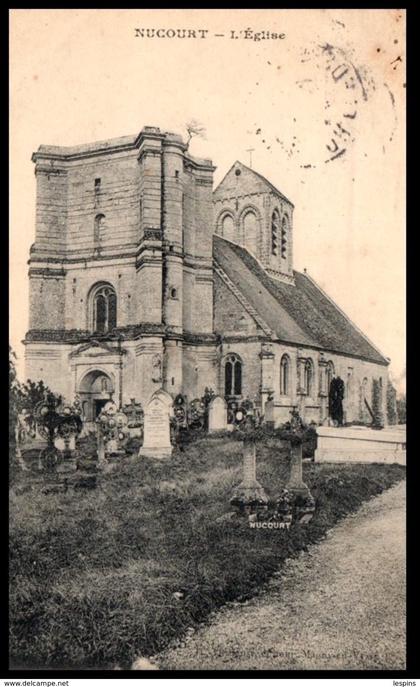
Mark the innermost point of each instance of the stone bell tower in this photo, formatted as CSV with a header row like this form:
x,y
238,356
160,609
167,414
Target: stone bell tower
x,y
252,212
121,277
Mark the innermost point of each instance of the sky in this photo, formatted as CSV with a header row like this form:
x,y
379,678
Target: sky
x,y
318,96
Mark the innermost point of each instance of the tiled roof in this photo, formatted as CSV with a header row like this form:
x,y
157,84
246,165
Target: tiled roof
x,y
300,313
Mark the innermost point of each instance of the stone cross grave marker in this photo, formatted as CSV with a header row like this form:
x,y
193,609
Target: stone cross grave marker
x,y
249,493
157,442
295,483
217,414
269,414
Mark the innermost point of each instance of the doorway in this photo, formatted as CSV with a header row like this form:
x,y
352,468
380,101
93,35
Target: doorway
x,y
95,390
99,403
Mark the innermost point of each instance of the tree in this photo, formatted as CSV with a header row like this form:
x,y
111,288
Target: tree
x,y
30,395
14,395
194,128
377,403
391,403
401,409
24,397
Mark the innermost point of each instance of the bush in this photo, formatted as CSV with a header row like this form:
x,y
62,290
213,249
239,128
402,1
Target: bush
x,y
391,403
401,410
377,403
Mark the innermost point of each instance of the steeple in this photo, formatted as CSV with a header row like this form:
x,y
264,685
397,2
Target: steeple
x,y
252,212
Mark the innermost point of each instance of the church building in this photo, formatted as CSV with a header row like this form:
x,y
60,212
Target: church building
x,y
143,277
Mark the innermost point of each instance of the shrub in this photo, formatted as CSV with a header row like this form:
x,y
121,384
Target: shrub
x,y
377,403
401,410
391,403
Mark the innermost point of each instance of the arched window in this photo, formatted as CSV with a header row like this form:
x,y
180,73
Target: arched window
x,y
308,378
228,228
284,375
104,308
250,231
233,375
275,232
98,229
284,238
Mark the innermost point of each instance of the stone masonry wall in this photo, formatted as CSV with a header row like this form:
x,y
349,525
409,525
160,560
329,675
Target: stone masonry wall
x,y
242,192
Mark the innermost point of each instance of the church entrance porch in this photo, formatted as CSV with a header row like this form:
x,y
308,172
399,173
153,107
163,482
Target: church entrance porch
x,y
95,390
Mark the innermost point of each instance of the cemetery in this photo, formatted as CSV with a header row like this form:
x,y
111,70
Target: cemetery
x,y
128,535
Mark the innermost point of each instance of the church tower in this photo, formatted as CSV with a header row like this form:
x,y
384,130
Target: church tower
x,y
121,282
250,211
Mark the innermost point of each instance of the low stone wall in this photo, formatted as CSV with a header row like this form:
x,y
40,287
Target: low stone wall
x,y
360,445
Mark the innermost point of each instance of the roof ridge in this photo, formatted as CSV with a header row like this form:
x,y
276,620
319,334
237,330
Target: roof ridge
x,y
257,174
349,320
237,162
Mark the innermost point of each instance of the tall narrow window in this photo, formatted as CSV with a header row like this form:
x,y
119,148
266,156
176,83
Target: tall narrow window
x,y
101,318
104,309
275,231
97,192
237,378
284,375
233,376
228,228
250,232
112,310
284,238
228,378
365,387
308,378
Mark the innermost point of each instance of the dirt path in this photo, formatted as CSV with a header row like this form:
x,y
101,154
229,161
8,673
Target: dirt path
x,y
339,606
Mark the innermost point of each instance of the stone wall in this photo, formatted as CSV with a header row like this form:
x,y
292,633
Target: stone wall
x,y
47,302
51,207
230,317
108,188
360,445
242,192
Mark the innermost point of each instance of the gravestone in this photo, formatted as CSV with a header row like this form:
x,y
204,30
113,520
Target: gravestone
x,y
19,440
269,414
249,496
295,483
101,447
157,442
217,414
134,413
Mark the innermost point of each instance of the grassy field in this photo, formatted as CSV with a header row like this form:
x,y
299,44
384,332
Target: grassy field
x,y
94,574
